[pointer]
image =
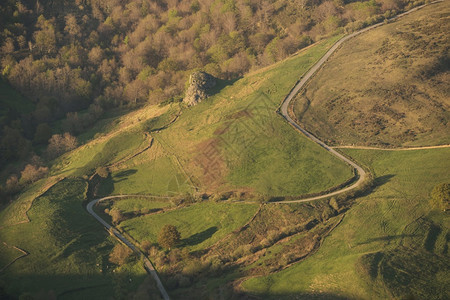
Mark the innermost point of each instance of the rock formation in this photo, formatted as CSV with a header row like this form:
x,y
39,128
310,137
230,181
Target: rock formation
x,y
199,84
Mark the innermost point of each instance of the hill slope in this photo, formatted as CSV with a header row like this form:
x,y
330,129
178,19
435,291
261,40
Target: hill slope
x,y
390,243
157,150
386,87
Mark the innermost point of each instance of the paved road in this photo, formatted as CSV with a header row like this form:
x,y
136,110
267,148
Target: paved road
x,y
284,110
147,264
392,149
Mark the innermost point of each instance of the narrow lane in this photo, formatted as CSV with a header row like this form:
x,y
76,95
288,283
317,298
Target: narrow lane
x,y
284,111
147,264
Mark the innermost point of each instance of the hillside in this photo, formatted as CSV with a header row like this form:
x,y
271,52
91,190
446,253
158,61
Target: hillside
x,y
77,60
387,87
218,171
390,244
158,150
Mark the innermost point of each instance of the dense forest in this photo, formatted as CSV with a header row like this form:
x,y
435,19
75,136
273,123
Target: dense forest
x,y
74,60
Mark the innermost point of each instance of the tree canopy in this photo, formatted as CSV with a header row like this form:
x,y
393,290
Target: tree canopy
x,y
169,237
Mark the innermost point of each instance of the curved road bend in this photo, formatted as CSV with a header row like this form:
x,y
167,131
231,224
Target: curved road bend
x,y
284,110
147,264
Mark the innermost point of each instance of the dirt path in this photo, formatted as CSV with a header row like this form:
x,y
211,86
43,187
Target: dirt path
x,y
147,264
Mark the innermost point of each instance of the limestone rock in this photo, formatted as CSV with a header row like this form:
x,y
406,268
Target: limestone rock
x,y
199,84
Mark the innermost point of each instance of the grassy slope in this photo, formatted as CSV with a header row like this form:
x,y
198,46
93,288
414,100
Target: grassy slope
x,y
236,140
59,247
154,171
68,249
385,221
200,225
135,205
386,86
159,176
119,141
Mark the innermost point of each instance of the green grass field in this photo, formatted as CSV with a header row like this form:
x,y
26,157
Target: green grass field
x,y
159,176
200,225
236,140
386,87
222,144
395,220
68,249
66,244
135,204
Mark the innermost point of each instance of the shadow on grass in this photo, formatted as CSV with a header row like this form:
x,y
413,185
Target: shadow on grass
x,y
220,283
126,173
72,286
200,237
387,238
135,214
221,84
382,180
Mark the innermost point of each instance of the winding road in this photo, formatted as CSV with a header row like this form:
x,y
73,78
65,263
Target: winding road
x,y
284,111
147,264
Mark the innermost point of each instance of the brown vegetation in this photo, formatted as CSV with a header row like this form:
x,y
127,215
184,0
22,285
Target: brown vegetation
x,y
59,144
386,87
119,254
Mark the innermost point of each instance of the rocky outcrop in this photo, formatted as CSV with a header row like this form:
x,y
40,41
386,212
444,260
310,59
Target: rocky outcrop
x,y
199,84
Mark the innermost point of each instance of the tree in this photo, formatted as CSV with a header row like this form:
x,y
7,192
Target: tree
x,y
102,172
43,133
12,184
169,236
58,144
45,38
116,215
120,254
72,28
33,173
440,196
95,56
13,145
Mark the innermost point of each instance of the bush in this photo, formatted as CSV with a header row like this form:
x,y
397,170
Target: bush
x,y
193,267
43,133
12,185
59,144
102,172
33,173
169,237
146,245
440,196
120,254
116,215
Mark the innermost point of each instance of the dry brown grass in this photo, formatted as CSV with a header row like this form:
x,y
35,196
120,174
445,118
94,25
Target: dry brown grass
x,y
388,86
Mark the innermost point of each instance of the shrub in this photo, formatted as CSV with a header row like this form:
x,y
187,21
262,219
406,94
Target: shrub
x,y
183,281
146,245
12,184
59,144
440,196
33,173
116,215
120,254
169,236
43,133
102,172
